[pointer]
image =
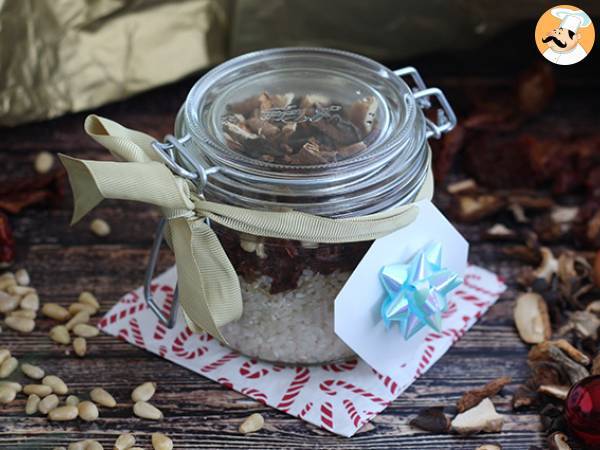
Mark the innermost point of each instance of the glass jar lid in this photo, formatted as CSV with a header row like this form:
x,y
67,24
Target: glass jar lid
x,y
316,130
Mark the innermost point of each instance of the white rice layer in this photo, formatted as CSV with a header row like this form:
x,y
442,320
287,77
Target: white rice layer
x,y
294,326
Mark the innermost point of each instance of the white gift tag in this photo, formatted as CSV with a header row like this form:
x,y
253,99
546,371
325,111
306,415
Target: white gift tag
x,y
357,307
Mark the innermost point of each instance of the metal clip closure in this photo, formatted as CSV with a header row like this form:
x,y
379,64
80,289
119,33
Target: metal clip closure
x,y
446,119
169,153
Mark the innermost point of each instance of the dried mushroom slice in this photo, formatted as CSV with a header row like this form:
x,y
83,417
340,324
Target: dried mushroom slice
x,y
362,114
311,129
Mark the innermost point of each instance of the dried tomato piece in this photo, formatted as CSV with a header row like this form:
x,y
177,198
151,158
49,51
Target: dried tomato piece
x,y
7,243
445,150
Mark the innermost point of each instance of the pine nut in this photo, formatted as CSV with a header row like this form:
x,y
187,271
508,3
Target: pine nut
x,y
74,308
47,404
20,291
93,445
8,302
80,317
63,413
22,277
125,442
100,227
72,400
147,411
25,313
103,398
143,392
253,423
87,298
7,394
161,441
80,346
33,402
56,312
4,355
20,324
8,366
31,301
85,330
43,162
79,445
57,384
33,372
88,411
38,389
7,280
60,335
13,385
59,448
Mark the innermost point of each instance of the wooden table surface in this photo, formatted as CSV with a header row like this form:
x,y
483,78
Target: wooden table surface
x,y
199,413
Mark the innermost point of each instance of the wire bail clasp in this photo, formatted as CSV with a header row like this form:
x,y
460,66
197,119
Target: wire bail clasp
x,y
446,119
169,152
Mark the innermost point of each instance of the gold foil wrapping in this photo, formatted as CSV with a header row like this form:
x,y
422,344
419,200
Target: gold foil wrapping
x,y
58,56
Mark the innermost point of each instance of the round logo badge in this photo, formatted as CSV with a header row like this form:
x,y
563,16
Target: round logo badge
x,y
564,35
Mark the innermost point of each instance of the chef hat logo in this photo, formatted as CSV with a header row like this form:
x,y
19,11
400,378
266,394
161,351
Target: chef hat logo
x,y
564,35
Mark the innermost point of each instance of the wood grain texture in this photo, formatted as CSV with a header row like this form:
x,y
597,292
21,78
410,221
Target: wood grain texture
x,y
200,414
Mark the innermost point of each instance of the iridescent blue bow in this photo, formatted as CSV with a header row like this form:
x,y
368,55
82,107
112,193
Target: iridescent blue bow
x,y
416,292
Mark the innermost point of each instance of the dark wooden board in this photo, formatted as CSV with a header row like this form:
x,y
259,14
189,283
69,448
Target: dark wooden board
x,y
200,414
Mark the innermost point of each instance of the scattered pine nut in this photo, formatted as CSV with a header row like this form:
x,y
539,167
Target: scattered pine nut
x,y
79,445
85,330
161,441
103,398
33,402
7,394
43,162
87,298
60,335
22,277
88,411
30,301
4,354
125,442
76,307
59,448
56,312
72,400
47,404
80,317
93,445
20,324
38,389
147,411
80,346
100,227
13,385
20,290
143,392
57,384
25,313
253,423
33,372
7,280
8,302
63,413
8,366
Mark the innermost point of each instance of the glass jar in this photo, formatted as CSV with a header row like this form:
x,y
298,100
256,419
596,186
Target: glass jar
x,y
315,130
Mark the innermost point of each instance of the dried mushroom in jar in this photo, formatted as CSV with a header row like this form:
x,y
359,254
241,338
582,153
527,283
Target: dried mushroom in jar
x,y
289,129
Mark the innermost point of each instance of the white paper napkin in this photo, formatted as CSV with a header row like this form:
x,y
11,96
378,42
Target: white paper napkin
x,y
337,397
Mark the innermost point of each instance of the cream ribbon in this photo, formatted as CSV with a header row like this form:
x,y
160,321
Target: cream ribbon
x,y
209,288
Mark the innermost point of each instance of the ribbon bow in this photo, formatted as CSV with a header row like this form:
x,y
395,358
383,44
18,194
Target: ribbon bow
x,y
416,291
209,288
